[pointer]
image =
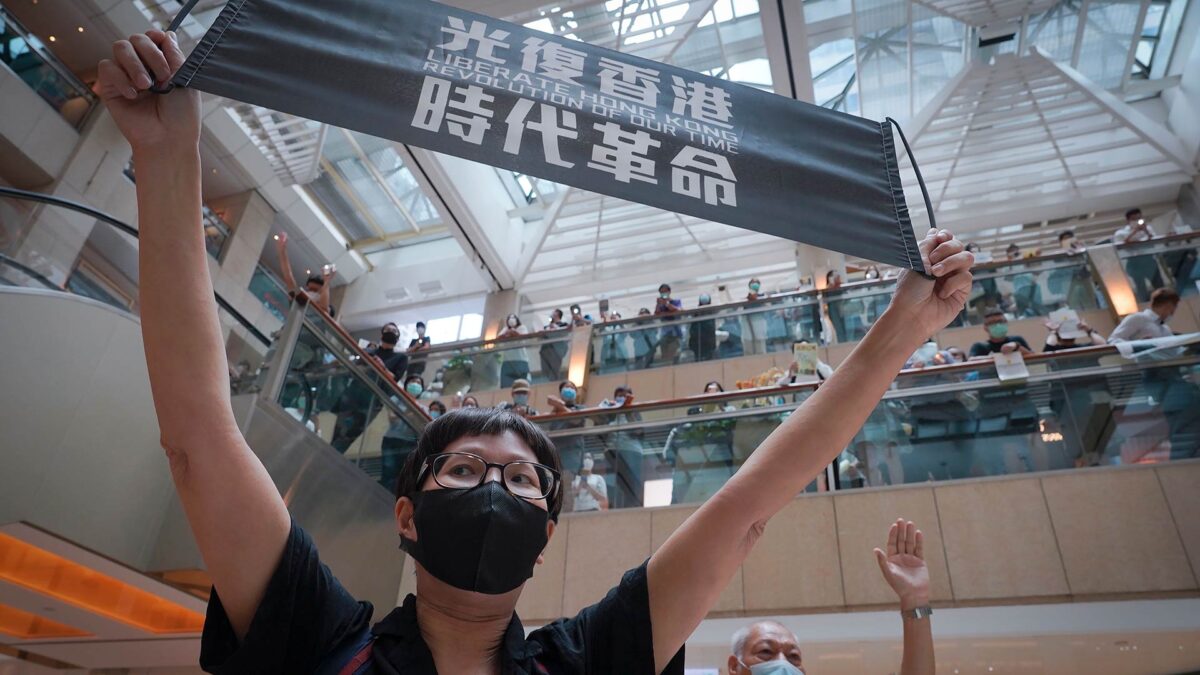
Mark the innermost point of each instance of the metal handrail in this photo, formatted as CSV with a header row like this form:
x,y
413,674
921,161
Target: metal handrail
x,y
131,231
26,269
892,394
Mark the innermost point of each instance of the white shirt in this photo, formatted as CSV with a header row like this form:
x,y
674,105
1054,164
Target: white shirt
x,y
1126,234
1143,325
584,500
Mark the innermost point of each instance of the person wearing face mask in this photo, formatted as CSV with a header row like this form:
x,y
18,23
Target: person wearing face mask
x,y
1067,243
1150,322
469,402
414,385
553,353
478,500
590,490
995,323
358,404
770,648
872,273
702,333
520,397
755,286
416,348
669,336
515,365
436,409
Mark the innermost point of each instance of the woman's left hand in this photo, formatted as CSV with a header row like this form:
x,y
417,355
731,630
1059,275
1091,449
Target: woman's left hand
x,y
929,305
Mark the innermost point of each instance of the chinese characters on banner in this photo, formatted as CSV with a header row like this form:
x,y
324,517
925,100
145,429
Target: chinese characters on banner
x,y
460,83
624,115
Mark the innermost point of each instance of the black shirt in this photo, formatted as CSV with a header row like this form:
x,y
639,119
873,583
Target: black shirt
x,y
395,361
308,623
988,347
423,341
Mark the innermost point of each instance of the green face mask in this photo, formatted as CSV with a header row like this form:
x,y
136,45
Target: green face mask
x,y
413,388
998,330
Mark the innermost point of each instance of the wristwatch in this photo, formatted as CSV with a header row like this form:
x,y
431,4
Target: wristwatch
x,y
922,612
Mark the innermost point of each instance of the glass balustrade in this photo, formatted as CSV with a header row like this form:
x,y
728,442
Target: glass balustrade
x,y
705,334
330,387
1168,261
27,57
852,310
493,364
270,291
1081,408
1032,288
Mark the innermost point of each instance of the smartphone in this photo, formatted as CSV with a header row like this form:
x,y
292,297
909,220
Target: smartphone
x,y
575,310
329,269
604,305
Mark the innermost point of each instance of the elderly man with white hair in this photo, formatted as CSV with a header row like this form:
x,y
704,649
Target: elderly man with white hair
x,y
770,648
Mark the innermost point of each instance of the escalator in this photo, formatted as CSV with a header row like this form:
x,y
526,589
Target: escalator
x,y
81,464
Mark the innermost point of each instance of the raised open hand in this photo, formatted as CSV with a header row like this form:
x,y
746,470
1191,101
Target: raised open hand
x,y
929,305
149,120
903,566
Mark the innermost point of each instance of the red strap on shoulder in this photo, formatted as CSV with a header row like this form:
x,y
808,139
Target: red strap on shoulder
x,y
359,659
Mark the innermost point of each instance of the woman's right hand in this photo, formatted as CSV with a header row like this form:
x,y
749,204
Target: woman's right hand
x,y
148,120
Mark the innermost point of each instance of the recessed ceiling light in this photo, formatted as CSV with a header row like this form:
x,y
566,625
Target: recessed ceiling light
x,y
53,39
79,28
214,171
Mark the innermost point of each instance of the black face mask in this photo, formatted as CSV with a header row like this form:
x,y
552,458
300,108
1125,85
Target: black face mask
x,y
389,338
483,539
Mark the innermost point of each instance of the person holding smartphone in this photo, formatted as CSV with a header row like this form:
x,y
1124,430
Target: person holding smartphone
x,y
479,498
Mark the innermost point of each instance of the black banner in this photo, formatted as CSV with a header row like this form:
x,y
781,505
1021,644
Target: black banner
x,y
464,84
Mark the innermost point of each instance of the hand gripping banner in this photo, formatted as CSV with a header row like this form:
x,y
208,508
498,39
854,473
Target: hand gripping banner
x,y
487,90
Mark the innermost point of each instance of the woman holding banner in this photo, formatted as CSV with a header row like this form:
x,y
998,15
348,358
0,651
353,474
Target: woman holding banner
x,y
479,498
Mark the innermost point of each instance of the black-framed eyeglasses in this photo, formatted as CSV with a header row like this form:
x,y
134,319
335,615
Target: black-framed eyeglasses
x,y
463,471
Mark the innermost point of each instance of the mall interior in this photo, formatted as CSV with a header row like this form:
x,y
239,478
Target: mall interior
x,y
1059,500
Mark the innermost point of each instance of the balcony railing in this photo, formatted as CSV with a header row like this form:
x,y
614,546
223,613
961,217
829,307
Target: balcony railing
x,y
1081,408
1026,288
24,54
1167,261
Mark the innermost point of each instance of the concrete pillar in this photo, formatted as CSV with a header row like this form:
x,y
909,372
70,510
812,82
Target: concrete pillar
x,y
496,307
250,217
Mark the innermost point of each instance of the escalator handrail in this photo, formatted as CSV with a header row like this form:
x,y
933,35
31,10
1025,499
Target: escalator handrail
x,y
26,269
125,228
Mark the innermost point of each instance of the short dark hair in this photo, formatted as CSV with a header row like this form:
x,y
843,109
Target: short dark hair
x,y
456,424
995,311
420,324
315,279
1065,233
1132,212
621,388
662,286
1163,296
1012,246
564,383
557,311
439,405
719,386
415,377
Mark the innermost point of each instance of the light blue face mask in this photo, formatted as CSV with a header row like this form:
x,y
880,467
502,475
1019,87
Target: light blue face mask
x,y
568,395
778,667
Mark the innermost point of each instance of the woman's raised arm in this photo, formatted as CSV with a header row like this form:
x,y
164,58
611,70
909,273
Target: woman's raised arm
x,y
235,512
687,574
